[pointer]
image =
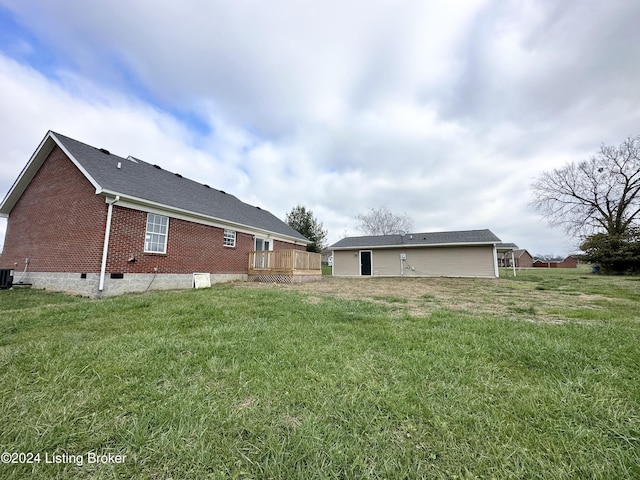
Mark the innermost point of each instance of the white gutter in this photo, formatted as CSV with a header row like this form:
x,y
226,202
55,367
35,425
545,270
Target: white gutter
x,y
417,245
105,248
333,262
495,261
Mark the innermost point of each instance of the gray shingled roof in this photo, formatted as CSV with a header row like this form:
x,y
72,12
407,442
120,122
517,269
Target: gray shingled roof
x,y
136,178
465,237
507,247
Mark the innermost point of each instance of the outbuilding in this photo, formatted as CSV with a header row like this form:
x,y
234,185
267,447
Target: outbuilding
x,y
469,253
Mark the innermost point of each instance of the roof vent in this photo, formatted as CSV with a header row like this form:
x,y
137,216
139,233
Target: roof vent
x,y
258,208
158,167
178,175
205,185
104,150
222,191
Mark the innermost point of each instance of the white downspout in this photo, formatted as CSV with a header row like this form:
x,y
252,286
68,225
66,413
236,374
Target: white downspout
x,y
105,248
495,261
513,263
333,262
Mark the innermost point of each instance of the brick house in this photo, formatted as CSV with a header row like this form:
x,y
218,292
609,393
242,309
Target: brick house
x,y
568,262
519,257
83,220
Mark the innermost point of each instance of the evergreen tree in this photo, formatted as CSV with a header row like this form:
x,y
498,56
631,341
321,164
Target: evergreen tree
x,y
303,221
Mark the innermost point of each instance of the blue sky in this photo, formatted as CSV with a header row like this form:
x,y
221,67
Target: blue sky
x,y
445,111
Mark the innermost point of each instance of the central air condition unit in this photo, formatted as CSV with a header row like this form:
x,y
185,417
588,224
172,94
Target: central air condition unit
x,y
6,278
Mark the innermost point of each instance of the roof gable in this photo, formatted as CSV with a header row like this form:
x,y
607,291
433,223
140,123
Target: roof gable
x,y
465,237
143,183
26,175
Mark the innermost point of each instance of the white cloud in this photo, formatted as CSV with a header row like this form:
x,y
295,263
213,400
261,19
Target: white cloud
x,y
445,111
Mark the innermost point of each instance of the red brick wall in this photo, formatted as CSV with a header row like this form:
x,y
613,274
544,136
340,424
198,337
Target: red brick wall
x,y
569,262
545,264
525,261
191,247
278,245
58,222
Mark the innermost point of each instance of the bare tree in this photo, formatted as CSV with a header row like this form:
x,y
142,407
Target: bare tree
x,y
601,194
381,221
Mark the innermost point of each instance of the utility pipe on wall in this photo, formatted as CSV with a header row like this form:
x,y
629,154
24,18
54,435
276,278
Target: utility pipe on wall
x,y
105,248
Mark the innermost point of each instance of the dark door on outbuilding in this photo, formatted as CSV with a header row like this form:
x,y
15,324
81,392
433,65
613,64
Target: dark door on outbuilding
x,y
365,262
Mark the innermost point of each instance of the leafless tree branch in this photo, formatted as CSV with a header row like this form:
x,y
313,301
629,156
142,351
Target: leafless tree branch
x,y
381,221
599,194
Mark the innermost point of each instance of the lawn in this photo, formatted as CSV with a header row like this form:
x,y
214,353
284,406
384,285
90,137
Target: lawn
x,y
528,377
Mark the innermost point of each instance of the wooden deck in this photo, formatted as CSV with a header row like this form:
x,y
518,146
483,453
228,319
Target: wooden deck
x,y
284,265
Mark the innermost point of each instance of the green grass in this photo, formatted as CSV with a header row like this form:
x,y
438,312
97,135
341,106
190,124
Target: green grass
x,y
237,382
390,298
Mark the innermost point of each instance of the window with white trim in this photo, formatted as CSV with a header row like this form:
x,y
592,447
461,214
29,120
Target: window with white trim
x,y
155,240
229,238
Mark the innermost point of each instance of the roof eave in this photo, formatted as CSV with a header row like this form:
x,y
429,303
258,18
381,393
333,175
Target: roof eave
x,y
131,201
417,245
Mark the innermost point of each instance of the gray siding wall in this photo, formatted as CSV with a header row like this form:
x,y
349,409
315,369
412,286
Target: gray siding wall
x,y
346,262
463,261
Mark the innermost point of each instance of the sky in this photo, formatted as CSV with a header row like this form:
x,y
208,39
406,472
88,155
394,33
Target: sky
x,y
443,111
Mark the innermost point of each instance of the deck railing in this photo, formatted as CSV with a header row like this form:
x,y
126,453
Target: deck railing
x,y
292,262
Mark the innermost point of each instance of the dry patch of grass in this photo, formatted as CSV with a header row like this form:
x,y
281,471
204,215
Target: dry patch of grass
x,y
246,403
526,297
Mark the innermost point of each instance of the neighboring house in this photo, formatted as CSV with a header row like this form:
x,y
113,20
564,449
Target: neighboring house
x,y
537,263
568,262
470,253
519,257
545,264
523,258
81,219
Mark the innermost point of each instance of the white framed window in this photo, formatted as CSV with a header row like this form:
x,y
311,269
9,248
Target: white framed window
x,y
261,257
262,245
229,238
155,240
